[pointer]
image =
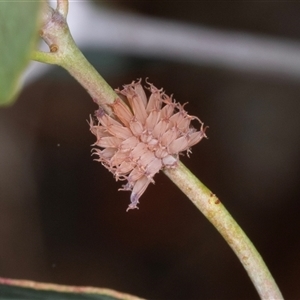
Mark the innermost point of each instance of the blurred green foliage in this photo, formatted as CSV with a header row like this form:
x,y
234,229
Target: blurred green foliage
x,y
19,22
8,292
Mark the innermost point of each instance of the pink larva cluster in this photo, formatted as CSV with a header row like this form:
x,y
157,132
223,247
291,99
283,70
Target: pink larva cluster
x,y
144,136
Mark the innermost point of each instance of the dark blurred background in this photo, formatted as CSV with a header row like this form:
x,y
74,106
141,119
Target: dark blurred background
x,y
62,219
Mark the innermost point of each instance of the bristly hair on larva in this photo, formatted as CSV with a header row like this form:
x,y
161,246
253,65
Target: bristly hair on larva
x,y
143,137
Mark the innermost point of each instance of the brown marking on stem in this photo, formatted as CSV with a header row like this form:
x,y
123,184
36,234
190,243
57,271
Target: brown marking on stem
x,y
214,198
217,201
53,48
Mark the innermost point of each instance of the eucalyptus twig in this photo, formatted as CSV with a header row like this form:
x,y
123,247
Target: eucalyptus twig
x,y
64,52
99,293
216,213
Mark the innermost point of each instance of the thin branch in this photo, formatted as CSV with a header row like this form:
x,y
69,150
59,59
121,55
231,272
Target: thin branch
x,y
216,213
56,34
44,57
28,284
65,53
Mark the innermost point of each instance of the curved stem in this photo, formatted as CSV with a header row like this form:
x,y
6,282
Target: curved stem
x,y
75,290
216,213
65,53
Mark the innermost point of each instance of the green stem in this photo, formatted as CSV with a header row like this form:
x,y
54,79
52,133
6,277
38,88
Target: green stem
x,y
66,54
217,214
79,67
44,57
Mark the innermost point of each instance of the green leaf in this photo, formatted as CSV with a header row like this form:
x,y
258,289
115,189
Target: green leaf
x,y
18,37
18,293
11,289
